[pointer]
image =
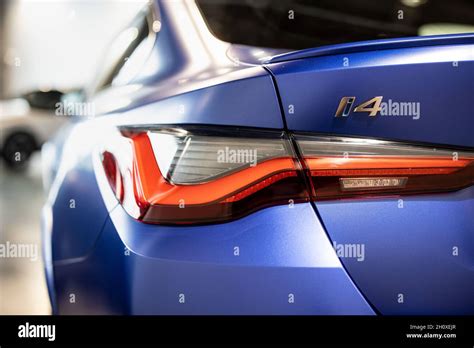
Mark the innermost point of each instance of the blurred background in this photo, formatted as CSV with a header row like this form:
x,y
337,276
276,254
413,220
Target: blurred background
x,y
45,46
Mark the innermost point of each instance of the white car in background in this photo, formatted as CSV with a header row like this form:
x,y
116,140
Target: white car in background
x,y
26,123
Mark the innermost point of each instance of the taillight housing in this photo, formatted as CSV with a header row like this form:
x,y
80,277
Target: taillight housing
x,y
196,175
344,167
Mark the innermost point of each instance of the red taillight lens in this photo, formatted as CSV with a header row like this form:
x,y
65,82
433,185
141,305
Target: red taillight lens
x,y
351,167
176,177
179,176
112,171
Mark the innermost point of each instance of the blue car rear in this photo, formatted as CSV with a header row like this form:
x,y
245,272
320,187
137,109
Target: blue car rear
x,y
345,208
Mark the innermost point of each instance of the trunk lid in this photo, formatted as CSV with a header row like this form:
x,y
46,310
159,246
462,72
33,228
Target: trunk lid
x,y
426,84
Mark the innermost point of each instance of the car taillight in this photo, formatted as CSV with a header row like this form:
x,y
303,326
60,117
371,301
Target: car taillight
x,y
350,167
199,175
178,176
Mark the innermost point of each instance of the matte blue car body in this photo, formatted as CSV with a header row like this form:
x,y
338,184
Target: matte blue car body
x,y
161,263
409,250
100,260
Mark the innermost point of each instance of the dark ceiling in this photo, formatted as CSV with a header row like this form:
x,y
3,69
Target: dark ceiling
x,y
322,22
